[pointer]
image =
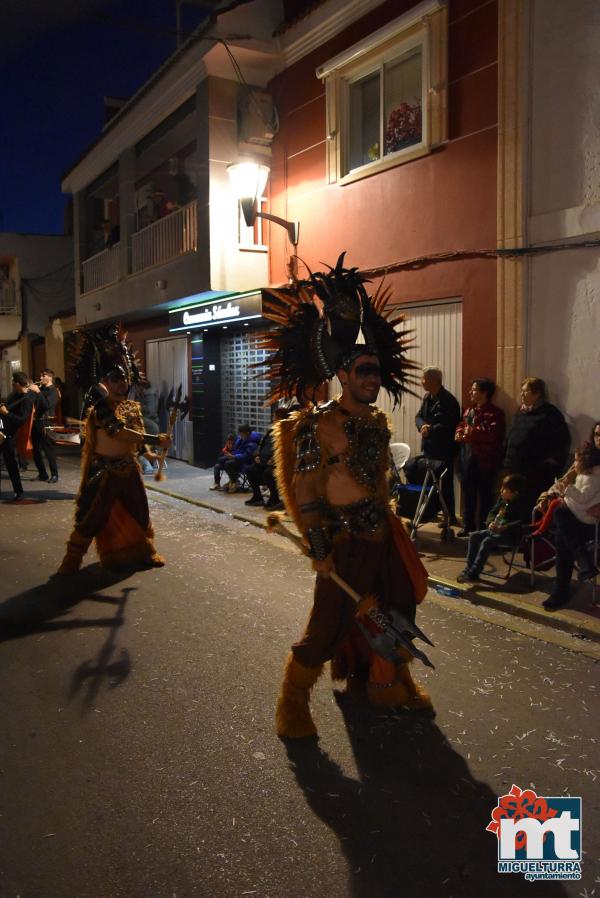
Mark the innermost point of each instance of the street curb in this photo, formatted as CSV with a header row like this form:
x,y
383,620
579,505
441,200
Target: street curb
x,y
201,503
558,620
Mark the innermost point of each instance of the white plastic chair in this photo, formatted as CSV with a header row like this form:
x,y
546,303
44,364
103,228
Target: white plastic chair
x,y
400,454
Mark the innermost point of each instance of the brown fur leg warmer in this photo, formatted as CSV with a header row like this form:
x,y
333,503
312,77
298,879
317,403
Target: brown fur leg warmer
x,y
292,718
77,546
418,698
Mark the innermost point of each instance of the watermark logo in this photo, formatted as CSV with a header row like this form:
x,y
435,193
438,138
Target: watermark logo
x,y
539,837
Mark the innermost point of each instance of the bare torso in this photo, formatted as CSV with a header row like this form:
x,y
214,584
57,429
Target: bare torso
x,y
115,446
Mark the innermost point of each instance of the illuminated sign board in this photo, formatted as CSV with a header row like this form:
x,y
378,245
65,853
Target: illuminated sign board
x,y
224,311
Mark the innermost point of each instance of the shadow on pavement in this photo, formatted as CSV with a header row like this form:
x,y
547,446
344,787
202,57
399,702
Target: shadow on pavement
x,y
414,820
104,666
47,494
38,610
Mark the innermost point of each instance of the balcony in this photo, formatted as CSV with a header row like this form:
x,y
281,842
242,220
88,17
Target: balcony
x,y
165,239
102,269
10,311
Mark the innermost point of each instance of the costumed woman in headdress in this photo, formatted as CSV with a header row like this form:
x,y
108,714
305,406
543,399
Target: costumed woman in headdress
x,y
111,505
331,462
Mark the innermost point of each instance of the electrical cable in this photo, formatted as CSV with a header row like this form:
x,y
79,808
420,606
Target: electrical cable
x,y
459,255
270,124
133,25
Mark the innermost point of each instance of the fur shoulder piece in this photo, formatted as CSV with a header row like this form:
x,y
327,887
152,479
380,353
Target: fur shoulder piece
x,y
288,435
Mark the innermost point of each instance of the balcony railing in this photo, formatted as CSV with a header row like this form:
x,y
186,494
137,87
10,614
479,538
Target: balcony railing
x,y
9,299
102,269
165,239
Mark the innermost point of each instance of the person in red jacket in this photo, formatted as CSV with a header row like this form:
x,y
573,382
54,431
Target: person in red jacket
x,y
480,435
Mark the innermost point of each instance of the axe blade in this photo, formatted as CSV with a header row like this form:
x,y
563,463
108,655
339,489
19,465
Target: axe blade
x,y
410,647
184,408
379,642
178,396
169,402
402,623
396,624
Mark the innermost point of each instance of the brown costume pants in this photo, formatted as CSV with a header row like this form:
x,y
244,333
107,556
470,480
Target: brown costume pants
x,y
107,481
371,567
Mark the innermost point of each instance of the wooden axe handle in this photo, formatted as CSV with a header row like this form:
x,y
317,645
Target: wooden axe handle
x,y
276,525
158,475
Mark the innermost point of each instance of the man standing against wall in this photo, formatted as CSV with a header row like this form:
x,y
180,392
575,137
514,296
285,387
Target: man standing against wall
x,y
436,421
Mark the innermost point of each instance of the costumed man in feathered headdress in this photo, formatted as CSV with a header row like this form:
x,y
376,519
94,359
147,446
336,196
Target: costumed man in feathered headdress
x,y
331,462
111,505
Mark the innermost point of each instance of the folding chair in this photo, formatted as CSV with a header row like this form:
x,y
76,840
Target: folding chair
x,y
508,552
547,562
430,489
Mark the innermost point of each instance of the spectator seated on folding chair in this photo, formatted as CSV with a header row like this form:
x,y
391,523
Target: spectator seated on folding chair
x,y
516,540
537,549
238,460
570,554
505,522
243,484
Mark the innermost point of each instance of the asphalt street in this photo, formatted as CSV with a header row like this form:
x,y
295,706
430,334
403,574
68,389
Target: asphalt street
x,y
138,757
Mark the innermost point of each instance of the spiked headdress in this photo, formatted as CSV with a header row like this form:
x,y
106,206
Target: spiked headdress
x,y
323,324
104,349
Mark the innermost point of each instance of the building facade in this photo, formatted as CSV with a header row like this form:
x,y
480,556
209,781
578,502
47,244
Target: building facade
x,y
387,149
159,238
36,303
418,137
562,152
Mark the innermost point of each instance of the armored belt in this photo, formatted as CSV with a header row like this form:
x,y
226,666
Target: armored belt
x,y
358,518
120,465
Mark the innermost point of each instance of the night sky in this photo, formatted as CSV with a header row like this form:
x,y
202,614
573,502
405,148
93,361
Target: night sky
x,y
59,59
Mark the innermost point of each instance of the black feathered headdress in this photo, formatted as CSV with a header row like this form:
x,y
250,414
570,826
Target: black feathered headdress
x,y
102,349
325,322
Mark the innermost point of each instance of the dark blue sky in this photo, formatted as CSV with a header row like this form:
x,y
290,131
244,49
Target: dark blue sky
x,y
59,58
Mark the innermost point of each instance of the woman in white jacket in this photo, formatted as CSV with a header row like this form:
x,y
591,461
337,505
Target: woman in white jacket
x,y
575,520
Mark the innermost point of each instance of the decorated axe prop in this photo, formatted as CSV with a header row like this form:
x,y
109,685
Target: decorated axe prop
x,y
391,631
175,406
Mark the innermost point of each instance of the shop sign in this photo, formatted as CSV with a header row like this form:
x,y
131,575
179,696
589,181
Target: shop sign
x,y
230,309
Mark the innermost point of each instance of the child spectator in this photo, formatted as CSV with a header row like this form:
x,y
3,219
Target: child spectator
x,y
238,459
503,521
224,456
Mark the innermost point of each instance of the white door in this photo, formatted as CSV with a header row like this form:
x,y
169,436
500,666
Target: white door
x,y
166,369
437,332
438,341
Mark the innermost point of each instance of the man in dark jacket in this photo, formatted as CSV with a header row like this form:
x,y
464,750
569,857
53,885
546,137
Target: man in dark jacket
x,y
14,413
538,440
46,400
263,469
436,421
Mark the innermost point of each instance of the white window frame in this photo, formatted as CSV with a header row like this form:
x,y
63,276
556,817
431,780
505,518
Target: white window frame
x,y
424,26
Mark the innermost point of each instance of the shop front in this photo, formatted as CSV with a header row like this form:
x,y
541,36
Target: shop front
x,y
226,353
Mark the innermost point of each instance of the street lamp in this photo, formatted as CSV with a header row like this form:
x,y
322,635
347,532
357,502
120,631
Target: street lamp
x,y
248,180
